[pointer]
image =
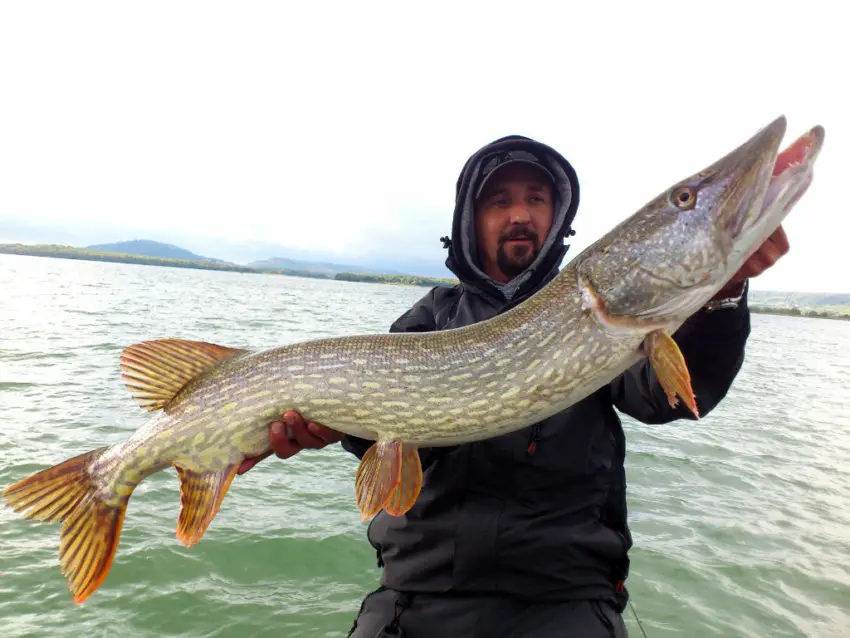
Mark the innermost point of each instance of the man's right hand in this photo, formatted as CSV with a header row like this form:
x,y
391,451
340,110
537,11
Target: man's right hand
x,y
292,434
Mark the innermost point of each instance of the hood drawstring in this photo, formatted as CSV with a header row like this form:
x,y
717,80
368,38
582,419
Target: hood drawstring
x,y
533,439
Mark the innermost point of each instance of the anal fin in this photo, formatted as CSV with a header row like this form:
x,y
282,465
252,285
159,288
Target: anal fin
x,y
389,477
201,494
670,368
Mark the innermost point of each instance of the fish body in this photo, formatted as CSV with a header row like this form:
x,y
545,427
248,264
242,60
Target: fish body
x,y
616,302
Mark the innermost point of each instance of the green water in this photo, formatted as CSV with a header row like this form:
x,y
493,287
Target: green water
x,y
741,522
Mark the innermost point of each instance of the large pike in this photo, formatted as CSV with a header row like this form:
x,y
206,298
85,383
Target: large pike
x,y
617,301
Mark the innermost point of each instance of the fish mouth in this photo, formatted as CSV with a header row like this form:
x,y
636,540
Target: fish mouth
x,y
793,171
777,180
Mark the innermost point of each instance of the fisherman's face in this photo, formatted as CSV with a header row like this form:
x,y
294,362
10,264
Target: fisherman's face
x,y
512,219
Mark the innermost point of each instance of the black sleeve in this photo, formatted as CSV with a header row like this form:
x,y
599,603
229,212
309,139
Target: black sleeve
x,y
713,347
419,318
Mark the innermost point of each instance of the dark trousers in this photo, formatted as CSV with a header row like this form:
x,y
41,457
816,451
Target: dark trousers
x,y
386,613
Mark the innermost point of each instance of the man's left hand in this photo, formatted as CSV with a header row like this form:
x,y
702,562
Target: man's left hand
x,y
768,254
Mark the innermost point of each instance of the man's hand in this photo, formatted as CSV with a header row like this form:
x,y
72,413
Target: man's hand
x,y
768,254
292,434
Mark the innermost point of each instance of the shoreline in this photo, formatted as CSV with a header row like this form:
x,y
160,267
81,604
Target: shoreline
x,y
807,313
57,251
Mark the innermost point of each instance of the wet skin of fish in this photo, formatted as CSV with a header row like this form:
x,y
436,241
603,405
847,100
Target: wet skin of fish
x,y
617,301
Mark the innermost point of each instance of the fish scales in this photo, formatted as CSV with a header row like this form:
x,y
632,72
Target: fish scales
x,y
262,387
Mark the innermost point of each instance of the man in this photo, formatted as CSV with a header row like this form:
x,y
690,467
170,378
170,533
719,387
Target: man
x,y
525,535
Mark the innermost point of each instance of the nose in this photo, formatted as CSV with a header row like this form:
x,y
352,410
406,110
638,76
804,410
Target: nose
x,y
519,214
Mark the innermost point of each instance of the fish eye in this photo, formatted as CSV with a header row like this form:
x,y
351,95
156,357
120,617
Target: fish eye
x,y
684,197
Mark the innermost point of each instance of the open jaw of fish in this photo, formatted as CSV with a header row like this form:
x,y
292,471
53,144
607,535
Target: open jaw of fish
x,y
649,274
619,300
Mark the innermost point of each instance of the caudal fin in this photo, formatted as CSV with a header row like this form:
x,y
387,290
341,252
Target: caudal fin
x,y
91,527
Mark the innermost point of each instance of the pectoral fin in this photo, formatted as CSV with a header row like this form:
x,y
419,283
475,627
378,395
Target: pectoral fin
x,y
389,477
201,494
410,483
671,369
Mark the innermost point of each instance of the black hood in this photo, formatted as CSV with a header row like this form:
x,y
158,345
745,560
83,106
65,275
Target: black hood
x,y
463,259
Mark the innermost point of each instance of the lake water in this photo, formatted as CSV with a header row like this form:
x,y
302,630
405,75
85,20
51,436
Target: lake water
x,y
741,522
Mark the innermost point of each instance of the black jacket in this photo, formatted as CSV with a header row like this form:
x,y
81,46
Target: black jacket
x,y
539,513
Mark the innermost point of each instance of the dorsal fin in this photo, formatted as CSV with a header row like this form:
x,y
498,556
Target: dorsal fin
x,y
155,371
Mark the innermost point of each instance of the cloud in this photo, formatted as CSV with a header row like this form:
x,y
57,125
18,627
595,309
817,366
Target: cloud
x,y
342,129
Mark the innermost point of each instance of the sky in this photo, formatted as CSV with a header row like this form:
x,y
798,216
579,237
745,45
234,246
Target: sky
x,y
339,129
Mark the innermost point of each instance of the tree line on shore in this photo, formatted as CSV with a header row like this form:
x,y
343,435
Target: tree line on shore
x,y
71,252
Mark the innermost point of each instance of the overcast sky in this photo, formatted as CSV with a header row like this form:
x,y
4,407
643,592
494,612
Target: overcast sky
x,y
343,126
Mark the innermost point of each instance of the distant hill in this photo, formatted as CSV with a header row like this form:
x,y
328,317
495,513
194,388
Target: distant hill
x,y
152,253
810,304
324,267
72,252
149,248
97,253
798,299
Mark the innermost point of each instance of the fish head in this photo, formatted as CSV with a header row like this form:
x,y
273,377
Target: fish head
x,y
666,261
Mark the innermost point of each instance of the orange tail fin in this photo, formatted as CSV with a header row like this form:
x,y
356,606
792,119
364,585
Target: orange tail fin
x,y
91,527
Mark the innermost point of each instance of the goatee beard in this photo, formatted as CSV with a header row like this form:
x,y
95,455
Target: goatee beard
x,y
522,256
514,265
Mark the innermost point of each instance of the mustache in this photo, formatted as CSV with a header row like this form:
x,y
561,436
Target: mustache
x,y
519,233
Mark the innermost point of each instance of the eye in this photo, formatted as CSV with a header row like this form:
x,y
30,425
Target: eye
x,y
684,197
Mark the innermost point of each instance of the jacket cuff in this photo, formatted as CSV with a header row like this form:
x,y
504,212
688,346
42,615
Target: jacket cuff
x,y
723,318
730,301
356,445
